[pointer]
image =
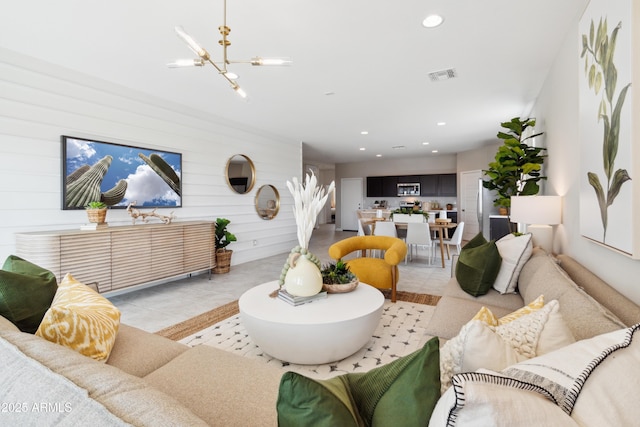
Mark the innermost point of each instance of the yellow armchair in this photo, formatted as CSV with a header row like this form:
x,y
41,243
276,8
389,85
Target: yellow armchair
x,y
381,273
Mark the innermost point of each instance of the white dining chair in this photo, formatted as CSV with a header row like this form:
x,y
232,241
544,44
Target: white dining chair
x,y
455,240
363,230
384,228
418,234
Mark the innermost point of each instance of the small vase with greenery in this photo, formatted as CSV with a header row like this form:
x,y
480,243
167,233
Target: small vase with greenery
x,y
222,239
516,170
96,211
336,277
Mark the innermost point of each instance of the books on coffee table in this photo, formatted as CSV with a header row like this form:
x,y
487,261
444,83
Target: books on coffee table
x,y
295,300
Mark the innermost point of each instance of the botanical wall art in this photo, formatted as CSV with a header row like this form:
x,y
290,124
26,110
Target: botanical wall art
x,y
118,175
605,124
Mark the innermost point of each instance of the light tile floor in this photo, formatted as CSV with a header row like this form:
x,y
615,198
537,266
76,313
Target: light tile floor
x,y
163,305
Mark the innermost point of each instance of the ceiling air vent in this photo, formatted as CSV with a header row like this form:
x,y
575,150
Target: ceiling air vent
x,y
442,75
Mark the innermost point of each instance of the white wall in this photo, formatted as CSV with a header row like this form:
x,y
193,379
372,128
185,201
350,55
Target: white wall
x,y
41,101
557,113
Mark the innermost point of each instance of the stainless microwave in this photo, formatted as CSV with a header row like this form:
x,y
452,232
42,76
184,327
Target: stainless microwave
x,y
409,189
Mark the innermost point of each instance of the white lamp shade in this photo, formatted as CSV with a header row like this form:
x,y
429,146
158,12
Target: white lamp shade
x,y
545,210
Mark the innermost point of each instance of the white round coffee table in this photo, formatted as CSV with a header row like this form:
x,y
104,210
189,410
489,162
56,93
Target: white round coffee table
x,y
322,331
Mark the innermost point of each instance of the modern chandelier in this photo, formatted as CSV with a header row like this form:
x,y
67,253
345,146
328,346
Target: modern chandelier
x,y
221,66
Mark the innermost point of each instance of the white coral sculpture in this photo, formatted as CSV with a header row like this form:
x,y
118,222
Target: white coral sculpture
x,y
309,199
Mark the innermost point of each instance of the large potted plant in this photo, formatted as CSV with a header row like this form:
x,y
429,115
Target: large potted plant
x,y
516,170
223,239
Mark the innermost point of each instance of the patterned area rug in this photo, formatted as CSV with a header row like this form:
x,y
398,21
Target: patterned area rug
x,y
400,332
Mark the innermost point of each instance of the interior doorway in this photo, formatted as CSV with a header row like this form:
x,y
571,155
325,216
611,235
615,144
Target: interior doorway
x,y
469,194
351,199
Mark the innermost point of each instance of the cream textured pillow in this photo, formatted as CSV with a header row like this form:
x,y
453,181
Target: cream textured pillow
x,y
515,252
81,319
479,345
475,347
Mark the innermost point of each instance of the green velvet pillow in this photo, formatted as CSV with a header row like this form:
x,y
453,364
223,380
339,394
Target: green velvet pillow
x,y
26,292
478,266
404,391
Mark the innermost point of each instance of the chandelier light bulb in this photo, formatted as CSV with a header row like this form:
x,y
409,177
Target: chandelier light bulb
x,y
190,41
258,61
180,63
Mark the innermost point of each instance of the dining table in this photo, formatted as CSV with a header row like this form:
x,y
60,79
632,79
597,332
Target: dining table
x,y
442,229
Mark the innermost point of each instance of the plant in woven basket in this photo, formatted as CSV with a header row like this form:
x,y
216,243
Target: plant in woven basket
x,y
222,239
337,273
96,211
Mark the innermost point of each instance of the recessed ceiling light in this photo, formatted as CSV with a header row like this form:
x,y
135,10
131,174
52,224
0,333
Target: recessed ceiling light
x,y
434,151
432,21
364,132
362,148
378,155
425,143
441,123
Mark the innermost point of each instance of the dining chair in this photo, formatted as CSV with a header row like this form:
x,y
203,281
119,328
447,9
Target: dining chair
x,y
455,240
384,228
363,230
419,234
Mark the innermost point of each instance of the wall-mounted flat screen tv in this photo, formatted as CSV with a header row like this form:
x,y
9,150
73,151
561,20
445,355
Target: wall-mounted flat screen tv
x,y
118,175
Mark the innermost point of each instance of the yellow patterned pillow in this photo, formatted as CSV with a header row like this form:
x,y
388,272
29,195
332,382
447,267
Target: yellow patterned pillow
x,y
81,319
490,319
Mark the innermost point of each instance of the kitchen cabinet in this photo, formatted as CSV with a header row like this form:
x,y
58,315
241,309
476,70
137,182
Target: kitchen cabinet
x,y
390,186
448,185
429,185
374,186
433,185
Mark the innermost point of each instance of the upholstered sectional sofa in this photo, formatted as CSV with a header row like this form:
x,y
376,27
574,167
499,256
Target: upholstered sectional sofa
x,y
150,380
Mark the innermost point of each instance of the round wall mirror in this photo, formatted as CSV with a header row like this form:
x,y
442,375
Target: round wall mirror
x,y
267,202
241,174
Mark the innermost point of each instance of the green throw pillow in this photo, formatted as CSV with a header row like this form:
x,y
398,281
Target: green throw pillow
x,y
26,292
406,389
478,266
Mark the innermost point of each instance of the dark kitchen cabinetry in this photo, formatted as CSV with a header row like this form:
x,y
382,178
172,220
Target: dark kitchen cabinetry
x,y
382,186
448,185
374,186
433,185
389,186
429,185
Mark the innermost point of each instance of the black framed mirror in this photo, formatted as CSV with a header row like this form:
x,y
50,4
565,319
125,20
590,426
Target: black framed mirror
x,y
267,202
240,173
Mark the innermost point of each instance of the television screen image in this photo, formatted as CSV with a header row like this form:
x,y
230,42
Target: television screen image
x,y
118,175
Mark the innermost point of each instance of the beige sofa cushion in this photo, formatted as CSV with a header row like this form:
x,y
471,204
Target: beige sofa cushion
x,y
617,303
7,325
492,298
126,396
138,352
220,387
583,315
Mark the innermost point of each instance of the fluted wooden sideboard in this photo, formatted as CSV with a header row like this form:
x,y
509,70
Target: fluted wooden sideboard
x,y
119,257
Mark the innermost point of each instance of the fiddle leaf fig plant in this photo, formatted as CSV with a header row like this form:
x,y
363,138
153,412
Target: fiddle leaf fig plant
x,y
223,236
597,50
516,170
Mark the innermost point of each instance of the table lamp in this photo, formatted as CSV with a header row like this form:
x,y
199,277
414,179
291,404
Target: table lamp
x,y
538,214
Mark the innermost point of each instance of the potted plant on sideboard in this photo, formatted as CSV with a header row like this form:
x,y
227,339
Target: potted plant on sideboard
x,y
97,212
516,170
222,239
